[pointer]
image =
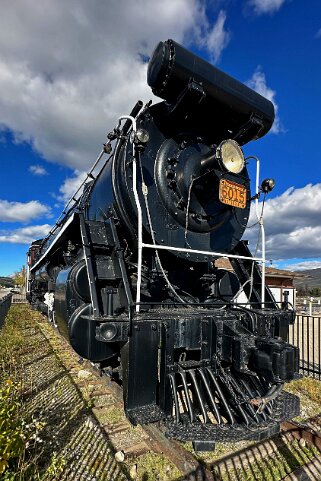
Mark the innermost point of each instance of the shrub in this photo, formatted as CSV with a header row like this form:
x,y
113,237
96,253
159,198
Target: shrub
x,y
12,437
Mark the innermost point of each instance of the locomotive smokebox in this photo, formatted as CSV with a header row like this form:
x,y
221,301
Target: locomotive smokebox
x,y
243,111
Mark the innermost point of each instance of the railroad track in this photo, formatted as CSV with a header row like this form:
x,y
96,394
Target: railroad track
x,y
295,454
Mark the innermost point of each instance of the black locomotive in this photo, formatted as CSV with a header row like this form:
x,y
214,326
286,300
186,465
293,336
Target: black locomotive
x,y
129,272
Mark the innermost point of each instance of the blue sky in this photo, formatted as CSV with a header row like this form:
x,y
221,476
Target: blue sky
x,y
69,69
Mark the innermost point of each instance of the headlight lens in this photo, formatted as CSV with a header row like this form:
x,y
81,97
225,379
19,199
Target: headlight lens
x,y
142,136
230,156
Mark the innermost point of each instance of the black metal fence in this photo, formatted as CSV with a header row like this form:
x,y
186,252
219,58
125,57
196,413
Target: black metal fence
x,y
5,303
305,334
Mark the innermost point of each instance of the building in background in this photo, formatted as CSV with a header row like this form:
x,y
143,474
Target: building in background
x,y
278,281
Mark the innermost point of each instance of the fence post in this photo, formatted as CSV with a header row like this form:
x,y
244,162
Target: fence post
x,y
310,306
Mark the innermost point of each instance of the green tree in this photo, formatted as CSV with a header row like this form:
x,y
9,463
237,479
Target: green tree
x,y
301,292
19,277
315,292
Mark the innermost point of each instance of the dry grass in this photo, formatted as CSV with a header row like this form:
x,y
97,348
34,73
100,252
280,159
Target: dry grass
x,y
61,439
309,387
19,432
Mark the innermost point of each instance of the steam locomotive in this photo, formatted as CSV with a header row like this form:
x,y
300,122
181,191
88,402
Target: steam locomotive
x,y
130,274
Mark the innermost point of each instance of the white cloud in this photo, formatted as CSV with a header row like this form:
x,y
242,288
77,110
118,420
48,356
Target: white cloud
x,y
293,224
302,266
304,242
71,185
24,235
258,83
22,211
69,69
265,6
216,38
37,170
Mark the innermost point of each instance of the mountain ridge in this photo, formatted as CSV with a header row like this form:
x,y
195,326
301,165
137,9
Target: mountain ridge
x,y
311,279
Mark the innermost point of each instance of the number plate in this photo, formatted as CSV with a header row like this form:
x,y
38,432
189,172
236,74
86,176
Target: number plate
x,y
232,193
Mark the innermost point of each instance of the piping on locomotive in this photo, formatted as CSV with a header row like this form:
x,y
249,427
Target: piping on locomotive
x,y
128,274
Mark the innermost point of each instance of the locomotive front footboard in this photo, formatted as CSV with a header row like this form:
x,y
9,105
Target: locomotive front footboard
x,y
131,275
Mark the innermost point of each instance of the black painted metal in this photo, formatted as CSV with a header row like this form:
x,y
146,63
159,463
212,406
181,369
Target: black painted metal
x,y
247,269
140,373
88,256
186,354
5,303
305,333
172,67
285,406
120,256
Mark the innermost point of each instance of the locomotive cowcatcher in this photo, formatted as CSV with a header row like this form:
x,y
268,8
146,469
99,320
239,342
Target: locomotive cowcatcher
x,y
129,272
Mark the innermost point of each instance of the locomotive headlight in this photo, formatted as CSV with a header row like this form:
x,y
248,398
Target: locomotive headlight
x,y
230,156
142,136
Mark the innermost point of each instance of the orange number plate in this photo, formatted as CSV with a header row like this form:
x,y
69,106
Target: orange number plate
x,y
232,193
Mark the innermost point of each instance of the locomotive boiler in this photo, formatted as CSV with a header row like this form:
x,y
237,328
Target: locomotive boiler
x,y
130,274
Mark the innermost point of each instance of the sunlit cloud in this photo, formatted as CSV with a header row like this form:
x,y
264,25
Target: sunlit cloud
x,y
22,211
265,6
303,265
37,170
24,235
258,83
292,223
216,37
70,186
63,103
